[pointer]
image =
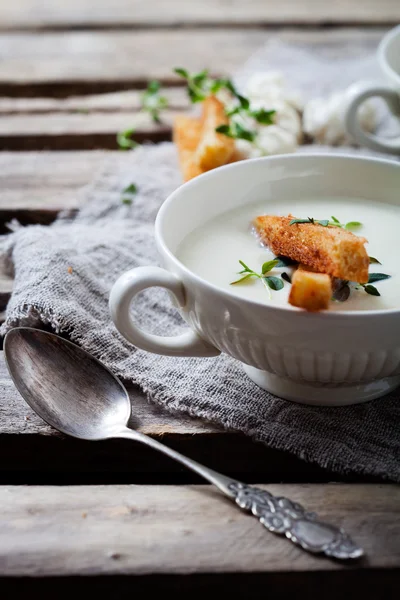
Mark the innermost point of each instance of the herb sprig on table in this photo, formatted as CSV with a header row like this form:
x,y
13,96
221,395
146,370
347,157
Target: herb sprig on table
x,y
152,102
128,193
200,85
124,139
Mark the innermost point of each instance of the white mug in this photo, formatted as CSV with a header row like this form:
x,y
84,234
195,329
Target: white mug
x,y
389,62
329,358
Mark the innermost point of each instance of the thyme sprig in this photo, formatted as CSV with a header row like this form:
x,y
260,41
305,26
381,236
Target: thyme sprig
x,y
153,102
200,85
270,281
326,222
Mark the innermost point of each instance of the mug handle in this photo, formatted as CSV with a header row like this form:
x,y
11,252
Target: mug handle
x,y
123,292
358,94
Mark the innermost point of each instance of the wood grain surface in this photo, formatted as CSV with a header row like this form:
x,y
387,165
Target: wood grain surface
x,y
34,450
127,101
137,530
56,63
158,13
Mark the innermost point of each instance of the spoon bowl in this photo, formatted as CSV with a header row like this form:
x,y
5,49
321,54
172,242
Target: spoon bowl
x,y
65,385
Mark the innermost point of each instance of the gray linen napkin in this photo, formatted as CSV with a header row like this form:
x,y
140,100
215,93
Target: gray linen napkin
x,y
108,237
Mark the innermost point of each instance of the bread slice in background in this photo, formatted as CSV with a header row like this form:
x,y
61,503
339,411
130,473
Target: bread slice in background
x,y
200,147
186,136
214,149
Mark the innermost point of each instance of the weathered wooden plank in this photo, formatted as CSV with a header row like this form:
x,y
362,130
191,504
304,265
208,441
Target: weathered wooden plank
x,y
94,61
36,186
17,418
82,13
36,451
114,102
79,131
143,530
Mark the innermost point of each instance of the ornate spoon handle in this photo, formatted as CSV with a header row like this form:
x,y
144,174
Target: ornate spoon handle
x,y
281,515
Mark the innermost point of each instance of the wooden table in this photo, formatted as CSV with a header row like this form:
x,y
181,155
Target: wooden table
x,y
124,517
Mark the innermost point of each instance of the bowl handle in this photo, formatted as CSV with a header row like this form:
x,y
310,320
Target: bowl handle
x,y
125,289
360,92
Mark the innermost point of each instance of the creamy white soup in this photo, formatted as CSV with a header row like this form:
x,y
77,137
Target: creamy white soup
x,y
213,250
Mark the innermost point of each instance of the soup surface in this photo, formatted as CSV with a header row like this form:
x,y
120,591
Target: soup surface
x,y
213,250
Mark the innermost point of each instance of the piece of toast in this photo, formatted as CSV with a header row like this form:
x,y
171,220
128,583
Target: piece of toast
x,y
214,149
200,147
186,136
330,250
309,290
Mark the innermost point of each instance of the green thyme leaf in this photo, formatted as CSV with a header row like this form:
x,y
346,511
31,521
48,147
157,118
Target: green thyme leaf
x,y
124,139
233,111
323,222
200,78
294,221
227,84
245,278
244,102
341,290
265,117
153,87
127,200
225,129
268,266
245,266
350,225
182,72
236,131
152,102
374,261
286,277
275,283
374,277
285,261
370,289
353,225
196,96
240,133
130,189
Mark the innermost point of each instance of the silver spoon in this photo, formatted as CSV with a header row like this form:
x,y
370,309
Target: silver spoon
x,y
76,394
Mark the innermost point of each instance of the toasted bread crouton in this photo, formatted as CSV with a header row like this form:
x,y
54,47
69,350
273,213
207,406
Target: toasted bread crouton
x,y
330,250
214,149
186,136
311,291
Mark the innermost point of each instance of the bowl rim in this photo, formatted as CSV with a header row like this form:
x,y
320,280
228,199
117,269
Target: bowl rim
x,y
382,53
279,309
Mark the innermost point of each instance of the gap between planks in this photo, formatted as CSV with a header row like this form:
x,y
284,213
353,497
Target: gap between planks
x,y
36,14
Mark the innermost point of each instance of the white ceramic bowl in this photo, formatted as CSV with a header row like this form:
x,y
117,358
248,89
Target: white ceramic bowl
x,y
328,358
